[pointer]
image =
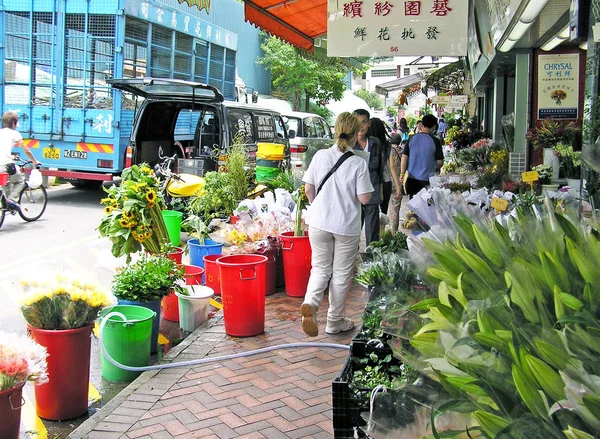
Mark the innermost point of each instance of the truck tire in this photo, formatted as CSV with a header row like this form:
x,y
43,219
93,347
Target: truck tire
x,y
86,184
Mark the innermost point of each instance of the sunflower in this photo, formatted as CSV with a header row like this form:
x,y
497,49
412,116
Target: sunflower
x,y
151,196
129,215
108,209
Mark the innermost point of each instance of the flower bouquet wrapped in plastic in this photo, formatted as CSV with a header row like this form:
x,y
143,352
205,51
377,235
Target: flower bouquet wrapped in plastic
x,y
21,359
62,302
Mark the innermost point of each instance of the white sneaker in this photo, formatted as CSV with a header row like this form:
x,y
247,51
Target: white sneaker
x,y
340,326
309,321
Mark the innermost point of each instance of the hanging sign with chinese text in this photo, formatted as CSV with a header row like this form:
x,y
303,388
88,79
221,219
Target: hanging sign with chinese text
x,y
558,86
397,27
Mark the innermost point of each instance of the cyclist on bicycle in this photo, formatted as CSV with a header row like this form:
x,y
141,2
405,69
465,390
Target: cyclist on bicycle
x,y
10,138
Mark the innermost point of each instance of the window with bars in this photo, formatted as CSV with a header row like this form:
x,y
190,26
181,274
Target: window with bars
x,y
135,49
383,72
161,52
89,45
406,71
217,61
200,61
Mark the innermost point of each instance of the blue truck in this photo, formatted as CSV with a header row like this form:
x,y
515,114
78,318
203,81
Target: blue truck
x,y
59,55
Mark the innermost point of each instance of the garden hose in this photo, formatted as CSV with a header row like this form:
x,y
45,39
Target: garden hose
x,y
205,360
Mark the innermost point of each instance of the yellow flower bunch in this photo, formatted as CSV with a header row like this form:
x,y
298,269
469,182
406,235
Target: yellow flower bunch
x,y
236,237
62,302
133,213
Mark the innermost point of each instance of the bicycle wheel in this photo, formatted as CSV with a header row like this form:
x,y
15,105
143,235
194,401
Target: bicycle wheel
x,y
33,202
2,209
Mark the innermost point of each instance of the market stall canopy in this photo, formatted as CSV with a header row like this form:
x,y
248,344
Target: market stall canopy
x,y
298,22
400,83
447,78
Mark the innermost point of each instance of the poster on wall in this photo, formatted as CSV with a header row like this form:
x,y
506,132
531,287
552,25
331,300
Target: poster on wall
x,y
558,86
397,27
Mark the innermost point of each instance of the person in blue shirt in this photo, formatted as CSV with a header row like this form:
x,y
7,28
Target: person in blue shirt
x,y
441,131
422,157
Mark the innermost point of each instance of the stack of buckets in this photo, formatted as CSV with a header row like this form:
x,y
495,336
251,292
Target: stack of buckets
x,y
268,160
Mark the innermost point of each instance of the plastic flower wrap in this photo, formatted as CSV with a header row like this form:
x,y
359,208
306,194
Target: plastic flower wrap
x,y
62,302
21,359
511,332
134,213
252,235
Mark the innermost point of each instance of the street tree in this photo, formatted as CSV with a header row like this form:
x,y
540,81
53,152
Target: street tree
x,y
301,77
373,100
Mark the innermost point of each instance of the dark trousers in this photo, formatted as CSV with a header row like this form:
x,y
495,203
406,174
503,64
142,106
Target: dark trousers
x,y
414,186
370,215
387,194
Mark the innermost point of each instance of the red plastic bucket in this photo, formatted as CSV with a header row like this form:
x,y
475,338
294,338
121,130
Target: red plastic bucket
x,y
243,294
296,263
211,273
65,395
3,178
11,401
176,255
270,270
170,303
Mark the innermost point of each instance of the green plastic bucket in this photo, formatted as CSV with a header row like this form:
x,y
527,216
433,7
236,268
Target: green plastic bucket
x,y
173,223
263,173
127,342
268,163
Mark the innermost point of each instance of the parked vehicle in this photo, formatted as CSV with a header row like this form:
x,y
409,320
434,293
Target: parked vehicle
x,y
193,121
57,56
308,133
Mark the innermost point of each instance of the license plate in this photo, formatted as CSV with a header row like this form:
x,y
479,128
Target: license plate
x,y
73,154
51,153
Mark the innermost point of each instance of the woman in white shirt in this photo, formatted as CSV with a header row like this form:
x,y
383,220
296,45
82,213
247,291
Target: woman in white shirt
x,y
334,226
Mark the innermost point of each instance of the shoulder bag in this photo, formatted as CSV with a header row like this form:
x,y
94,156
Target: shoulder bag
x,y
341,160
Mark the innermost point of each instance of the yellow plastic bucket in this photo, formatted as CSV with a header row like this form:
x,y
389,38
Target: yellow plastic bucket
x,y
269,149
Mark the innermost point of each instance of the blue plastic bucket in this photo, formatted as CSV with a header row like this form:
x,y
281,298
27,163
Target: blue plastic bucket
x,y
198,251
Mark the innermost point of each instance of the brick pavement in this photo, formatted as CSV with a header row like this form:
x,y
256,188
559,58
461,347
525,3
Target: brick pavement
x,y
280,394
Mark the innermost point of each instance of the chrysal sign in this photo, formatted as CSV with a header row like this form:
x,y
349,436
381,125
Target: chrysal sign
x,y
451,101
397,27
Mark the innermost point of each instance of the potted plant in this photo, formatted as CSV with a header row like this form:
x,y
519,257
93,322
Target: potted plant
x,y
545,178
145,282
60,313
547,135
134,213
21,360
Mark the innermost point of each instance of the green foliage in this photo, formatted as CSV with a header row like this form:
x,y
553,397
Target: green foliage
x,y
392,111
292,75
373,100
149,278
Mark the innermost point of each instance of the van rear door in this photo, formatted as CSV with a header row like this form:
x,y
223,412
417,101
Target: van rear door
x,y
168,89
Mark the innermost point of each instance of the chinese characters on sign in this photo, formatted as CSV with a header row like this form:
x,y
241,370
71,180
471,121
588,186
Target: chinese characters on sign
x,y
397,27
558,86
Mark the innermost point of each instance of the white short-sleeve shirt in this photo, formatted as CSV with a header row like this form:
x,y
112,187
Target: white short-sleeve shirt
x,y
8,139
336,209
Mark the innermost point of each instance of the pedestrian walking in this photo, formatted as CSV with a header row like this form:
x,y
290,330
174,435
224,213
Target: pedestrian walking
x,y
370,148
397,144
422,157
377,129
334,220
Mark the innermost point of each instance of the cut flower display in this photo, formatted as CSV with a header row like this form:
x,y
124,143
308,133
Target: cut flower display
x,y
62,302
21,360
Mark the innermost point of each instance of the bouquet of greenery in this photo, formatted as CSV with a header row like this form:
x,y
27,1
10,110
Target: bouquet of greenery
x,y
301,200
216,200
551,132
61,302
570,161
544,173
149,278
21,359
134,213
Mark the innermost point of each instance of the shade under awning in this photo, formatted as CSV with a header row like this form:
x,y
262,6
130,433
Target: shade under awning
x,y
298,22
399,83
449,77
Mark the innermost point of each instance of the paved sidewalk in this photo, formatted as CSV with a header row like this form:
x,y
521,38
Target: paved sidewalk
x,y
280,394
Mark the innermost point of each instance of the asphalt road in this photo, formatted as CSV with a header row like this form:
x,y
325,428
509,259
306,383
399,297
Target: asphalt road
x,y
64,239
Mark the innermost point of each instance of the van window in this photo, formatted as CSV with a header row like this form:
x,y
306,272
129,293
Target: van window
x,y
293,123
310,128
265,127
280,127
209,131
240,120
326,129
319,130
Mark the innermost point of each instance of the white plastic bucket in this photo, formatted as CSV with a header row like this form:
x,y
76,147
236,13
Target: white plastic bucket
x,y
193,309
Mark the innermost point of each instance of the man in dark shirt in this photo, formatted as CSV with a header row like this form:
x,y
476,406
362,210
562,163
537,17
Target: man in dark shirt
x,y
373,152
422,157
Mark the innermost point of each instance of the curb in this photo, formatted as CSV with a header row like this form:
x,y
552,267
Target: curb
x,y
90,424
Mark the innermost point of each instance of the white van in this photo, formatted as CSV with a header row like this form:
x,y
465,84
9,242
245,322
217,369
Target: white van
x,y
308,133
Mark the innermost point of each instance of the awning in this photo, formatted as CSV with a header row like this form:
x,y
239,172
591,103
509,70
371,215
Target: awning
x,y
298,22
448,78
399,83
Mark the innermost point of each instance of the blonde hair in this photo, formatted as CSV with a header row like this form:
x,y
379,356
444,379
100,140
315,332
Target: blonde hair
x,y
347,127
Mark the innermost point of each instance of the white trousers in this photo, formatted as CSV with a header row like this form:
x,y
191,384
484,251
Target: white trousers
x,y
333,259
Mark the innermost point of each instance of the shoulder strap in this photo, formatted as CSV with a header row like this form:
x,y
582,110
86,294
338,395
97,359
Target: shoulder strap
x,y
341,160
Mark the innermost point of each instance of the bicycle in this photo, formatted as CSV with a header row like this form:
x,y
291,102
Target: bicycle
x,y
32,202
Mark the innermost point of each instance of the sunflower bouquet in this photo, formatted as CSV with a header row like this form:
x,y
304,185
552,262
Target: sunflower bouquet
x,y
21,359
62,302
134,213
